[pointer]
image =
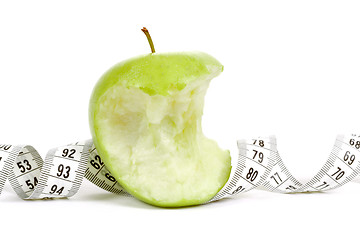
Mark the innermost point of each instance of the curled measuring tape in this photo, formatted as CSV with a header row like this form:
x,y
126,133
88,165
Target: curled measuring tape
x,y
260,164
61,173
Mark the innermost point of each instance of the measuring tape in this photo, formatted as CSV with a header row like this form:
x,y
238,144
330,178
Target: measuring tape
x,y
59,175
259,164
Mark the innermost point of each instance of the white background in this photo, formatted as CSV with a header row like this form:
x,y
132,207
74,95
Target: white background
x,y
291,69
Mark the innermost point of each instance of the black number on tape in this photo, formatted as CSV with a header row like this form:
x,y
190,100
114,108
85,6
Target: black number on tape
x,y
260,156
63,171
23,167
30,184
350,157
97,165
68,153
354,143
5,147
54,189
261,143
111,178
238,189
290,187
276,177
339,174
251,174
322,186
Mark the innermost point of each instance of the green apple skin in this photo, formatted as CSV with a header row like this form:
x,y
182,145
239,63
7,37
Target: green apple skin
x,y
160,79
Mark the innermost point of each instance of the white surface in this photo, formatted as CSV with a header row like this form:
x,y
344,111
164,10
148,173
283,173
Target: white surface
x,y
291,69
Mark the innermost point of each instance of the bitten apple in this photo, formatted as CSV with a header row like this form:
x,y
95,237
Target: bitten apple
x,y
145,119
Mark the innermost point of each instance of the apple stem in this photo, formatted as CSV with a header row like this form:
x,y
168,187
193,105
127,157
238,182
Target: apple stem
x,y
149,39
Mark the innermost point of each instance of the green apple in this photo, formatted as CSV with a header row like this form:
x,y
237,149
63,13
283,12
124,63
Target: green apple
x,y
145,119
